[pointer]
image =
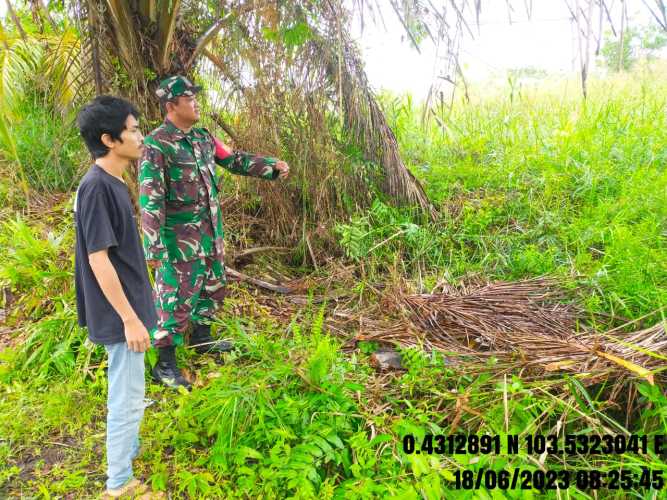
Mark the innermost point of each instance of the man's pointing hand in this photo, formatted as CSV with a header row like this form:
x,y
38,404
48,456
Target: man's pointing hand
x,y
283,168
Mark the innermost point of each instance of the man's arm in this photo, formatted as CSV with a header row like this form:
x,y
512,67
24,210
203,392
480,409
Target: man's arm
x,y
136,334
248,164
152,189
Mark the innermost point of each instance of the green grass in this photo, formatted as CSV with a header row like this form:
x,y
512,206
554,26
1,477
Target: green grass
x,y
292,416
527,183
542,183
48,145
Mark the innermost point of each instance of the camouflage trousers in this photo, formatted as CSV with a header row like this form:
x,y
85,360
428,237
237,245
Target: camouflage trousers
x,y
186,292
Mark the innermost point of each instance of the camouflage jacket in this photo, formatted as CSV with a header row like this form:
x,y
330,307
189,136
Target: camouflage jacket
x,y
179,180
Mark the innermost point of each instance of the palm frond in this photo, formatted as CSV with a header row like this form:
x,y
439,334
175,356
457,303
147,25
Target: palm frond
x,y
364,117
18,65
166,30
528,323
63,70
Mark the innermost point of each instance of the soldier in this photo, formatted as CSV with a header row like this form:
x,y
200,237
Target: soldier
x,y
179,181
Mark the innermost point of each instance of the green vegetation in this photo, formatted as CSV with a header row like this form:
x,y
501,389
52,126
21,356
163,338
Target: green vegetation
x,y
542,184
640,43
48,146
526,183
37,131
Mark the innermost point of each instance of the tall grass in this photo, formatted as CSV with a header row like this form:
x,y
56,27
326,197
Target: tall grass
x,y
533,182
48,145
38,140
294,417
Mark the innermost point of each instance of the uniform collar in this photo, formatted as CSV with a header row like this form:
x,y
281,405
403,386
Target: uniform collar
x,y
176,133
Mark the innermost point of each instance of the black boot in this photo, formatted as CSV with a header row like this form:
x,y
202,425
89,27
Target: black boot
x,y
166,372
203,343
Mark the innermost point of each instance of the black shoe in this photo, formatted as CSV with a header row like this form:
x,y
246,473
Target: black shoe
x,y
203,343
168,374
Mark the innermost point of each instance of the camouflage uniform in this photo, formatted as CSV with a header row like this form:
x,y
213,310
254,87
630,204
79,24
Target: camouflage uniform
x,y
179,181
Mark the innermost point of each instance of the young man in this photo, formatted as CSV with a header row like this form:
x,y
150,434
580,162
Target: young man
x,y
114,296
182,222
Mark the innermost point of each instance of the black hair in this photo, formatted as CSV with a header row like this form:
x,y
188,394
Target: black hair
x,y
103,115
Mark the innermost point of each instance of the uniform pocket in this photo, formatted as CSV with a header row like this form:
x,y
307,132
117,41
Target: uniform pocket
x,y
183,184
185,192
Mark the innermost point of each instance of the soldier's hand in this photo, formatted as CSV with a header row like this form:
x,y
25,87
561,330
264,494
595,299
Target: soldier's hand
x,y
136,335
153,264
283,168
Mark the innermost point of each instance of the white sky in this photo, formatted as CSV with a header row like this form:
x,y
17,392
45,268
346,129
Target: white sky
x,y
546,41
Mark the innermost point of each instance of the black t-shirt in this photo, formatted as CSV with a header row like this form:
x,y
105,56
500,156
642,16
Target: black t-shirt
x,y
104,218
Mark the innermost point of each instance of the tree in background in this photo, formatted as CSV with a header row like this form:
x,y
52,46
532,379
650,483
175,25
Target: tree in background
x,y
286,79
41,79
638,44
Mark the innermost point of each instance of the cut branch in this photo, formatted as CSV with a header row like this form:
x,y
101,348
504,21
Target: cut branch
x,y
220,64
256,282
226,127
365,120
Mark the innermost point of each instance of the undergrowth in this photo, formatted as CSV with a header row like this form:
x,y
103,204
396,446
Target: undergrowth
x,y
528,184
539,183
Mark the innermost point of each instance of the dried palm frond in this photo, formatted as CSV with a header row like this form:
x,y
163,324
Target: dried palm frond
x,y
494,309
526,324
361,112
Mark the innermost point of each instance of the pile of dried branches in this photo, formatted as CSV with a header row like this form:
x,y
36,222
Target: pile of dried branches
x,y
525,323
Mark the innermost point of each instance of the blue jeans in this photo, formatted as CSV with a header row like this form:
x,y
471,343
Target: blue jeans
x,y
125,406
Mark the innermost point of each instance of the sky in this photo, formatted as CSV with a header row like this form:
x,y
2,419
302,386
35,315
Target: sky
x,y
545,41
